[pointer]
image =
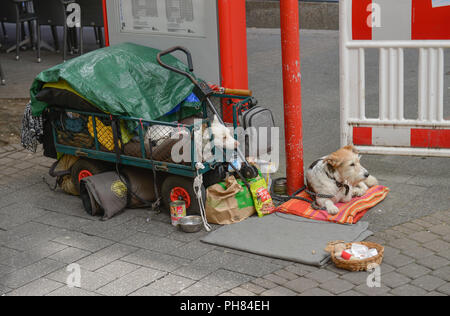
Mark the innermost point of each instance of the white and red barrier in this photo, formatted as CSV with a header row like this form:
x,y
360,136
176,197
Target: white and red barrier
x,y
392,27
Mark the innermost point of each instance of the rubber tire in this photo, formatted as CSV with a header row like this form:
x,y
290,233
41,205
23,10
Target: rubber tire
x,y
93,166
187,183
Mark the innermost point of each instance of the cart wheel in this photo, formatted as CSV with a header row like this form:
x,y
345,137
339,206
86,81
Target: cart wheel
x,y
84,168
181,188
180,193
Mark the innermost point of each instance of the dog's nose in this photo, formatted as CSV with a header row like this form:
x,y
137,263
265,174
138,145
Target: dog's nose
x,y
366,174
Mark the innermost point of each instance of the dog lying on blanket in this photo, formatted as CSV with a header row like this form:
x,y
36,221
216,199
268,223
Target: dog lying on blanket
x,y
338,178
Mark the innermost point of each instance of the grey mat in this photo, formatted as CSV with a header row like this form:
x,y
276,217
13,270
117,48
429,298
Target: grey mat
x,y
287,237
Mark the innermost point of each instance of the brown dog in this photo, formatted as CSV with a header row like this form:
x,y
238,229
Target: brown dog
x,y
338,177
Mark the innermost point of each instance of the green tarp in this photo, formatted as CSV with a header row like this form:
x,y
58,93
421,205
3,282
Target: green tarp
x,y
123,80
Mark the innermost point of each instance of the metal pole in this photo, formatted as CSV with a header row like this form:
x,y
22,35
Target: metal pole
x,y
106,26
233,48
290,43
2,76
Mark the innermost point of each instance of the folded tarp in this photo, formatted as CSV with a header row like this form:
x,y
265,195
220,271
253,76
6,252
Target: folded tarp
x,y
123,80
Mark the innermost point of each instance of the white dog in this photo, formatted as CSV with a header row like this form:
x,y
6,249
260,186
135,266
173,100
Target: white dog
x,y
338,178
223,138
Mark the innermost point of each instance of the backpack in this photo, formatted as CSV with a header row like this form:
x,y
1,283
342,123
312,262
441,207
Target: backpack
x,y
257,117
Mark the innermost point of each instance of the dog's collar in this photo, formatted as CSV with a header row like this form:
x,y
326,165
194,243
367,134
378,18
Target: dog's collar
x,y
343,185
330,170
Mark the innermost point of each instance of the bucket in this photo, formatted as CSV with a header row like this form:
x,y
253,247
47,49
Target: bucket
x,y
177,211
280,186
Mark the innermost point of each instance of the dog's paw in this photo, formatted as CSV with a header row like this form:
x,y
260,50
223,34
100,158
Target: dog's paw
x,y
332,209
348,198
358,192
371,181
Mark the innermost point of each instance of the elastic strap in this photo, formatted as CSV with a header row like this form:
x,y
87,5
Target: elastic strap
x,y
155,205
198,183
285,198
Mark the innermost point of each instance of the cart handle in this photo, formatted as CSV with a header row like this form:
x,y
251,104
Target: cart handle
x,y
181,72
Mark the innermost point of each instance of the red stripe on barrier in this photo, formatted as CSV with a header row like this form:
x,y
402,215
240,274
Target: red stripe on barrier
x,y
360,28
430,138
429,23
362,136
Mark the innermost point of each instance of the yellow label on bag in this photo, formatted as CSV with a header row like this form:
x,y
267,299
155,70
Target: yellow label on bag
x,y
119,189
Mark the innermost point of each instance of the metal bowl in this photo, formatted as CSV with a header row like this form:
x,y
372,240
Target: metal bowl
x,y
191,224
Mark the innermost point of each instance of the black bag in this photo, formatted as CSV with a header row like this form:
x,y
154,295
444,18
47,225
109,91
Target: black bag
x,y
252,120
65,99
215,176
48,141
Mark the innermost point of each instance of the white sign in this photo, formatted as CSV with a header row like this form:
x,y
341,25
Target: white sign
x,y
162,24
169,17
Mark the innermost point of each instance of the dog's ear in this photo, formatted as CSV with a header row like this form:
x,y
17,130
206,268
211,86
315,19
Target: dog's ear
x,y
352,149
334,160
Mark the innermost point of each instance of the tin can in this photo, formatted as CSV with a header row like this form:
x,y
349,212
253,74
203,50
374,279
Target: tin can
x,y
177,211
280,186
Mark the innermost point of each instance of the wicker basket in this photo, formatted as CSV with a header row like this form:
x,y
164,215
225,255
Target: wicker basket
x,y
356,265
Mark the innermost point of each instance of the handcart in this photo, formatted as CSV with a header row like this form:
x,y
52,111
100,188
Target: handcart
x,y
103,142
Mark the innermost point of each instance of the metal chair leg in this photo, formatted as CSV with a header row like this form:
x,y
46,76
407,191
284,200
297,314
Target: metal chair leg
x,y
18,36
38,29
31,31
5,35
24,32
81,41
2,76
97,40
100,37
65,43
42,44
74,40
55,37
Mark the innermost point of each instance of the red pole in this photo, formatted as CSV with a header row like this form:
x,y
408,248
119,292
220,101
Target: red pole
x,y
233,48
105,20
290,43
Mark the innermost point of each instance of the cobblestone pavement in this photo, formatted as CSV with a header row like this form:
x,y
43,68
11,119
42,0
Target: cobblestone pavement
x,y
137,253
11,114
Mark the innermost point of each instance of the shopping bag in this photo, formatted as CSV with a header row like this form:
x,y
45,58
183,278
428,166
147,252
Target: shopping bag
x,y
228,202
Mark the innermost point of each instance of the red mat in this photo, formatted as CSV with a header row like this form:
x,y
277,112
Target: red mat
x,y
350,213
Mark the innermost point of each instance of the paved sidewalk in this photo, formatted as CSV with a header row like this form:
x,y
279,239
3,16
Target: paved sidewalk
x,y
139,253
416,262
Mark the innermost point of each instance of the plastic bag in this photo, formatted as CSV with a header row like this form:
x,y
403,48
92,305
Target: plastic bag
x,y
261,197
